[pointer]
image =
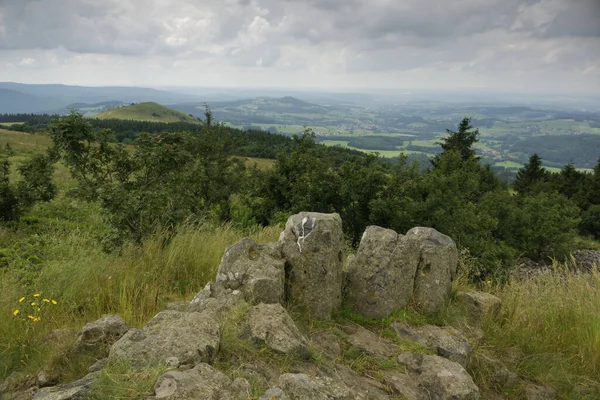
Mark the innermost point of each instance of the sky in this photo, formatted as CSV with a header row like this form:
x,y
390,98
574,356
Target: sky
x,y
520,45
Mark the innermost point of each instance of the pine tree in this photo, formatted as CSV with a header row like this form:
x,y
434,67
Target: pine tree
x,y
460,141
530,175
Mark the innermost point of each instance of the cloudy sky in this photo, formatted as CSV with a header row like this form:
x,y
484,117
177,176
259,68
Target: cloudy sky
x,y
529,45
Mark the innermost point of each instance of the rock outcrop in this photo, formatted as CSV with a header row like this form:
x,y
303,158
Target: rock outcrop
x,y
312,245
256,270
437,267
190,337
304,271
270,324
380,279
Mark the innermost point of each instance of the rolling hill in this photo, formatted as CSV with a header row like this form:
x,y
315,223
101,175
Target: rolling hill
x,y
148,111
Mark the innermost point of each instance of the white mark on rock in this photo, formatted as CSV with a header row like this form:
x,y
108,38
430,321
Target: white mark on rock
x,y
307,226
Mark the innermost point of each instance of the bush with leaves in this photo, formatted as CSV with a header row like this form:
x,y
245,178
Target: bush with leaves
x,y
167,177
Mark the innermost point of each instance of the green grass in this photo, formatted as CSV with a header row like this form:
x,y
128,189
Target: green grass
x,y
147,112
120,381
554,321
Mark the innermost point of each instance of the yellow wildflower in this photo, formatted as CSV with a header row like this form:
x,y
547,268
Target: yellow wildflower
x,y
30,317
21,299
16,312
37,319
46,301
36,295
54,302
34,304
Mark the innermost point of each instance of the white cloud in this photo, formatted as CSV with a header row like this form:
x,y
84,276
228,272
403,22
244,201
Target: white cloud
x,y
28,62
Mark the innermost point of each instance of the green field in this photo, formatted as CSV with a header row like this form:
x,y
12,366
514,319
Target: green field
x,y
149,111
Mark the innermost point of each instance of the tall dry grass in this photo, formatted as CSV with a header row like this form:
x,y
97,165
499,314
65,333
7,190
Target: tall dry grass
x,y
552,322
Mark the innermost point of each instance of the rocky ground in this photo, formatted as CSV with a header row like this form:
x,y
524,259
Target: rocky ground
x,y
268,328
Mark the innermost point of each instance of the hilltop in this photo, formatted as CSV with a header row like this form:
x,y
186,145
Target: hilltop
x,y
148,111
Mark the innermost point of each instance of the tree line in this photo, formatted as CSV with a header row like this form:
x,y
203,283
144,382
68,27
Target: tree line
x,y
171,177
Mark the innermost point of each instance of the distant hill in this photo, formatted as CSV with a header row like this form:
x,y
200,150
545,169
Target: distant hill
x,y
148,111
51,98
13,102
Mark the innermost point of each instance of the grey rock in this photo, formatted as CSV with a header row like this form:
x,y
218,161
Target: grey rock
x,y
101,333
440,378
200,382
362,387
239,389
368,342
499,375
271,324
327,344
304,387
446,341
77,390
274,394
586,260
98,365
215,299
312,245
46,378
178,306
436,269
191,337
59,335
479,305
258,271
535,391
405,385
380,279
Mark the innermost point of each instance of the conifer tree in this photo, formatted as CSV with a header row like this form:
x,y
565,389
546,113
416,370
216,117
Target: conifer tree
x,y
530,175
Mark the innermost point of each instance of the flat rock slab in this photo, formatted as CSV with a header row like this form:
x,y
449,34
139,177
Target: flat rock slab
x,y
440,378
305,387
446,341
312,245
271,325
256,270
200,382
380,279
370,343
189,337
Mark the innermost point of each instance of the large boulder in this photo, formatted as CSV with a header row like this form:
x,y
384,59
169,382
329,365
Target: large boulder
x,y
200,382
446,341
189,337
380,279
270,324
312,245
436,269
258,271
440,378
101,334
479,305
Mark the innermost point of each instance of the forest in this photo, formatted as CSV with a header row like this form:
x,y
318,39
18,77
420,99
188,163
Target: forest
x,y
171,176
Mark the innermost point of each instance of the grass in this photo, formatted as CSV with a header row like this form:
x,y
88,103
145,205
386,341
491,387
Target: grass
x,y
60,256
553,321
120,381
